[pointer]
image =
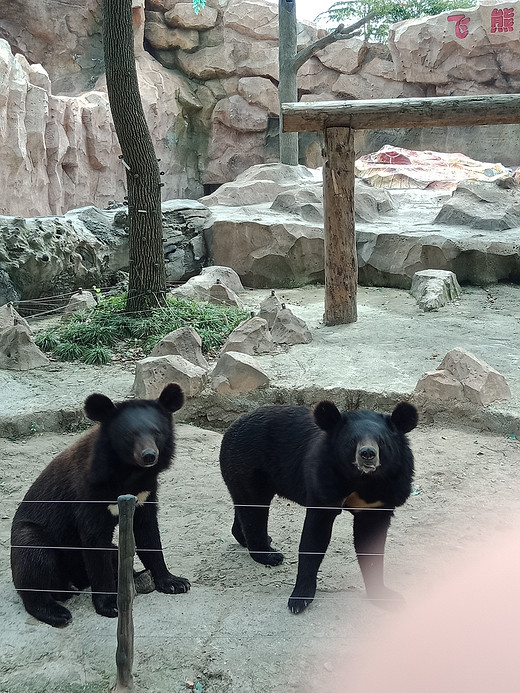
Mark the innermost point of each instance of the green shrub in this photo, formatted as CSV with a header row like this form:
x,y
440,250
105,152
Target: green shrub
x,y
106,331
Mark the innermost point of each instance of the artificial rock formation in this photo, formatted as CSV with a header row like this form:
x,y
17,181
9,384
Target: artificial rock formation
x,y
463,377
45,256
208,85
434,288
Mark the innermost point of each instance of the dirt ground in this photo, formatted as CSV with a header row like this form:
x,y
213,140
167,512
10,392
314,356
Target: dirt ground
x,y
233,633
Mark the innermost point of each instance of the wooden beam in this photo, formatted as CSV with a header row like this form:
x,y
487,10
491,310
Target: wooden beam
x,y
380,114
341,273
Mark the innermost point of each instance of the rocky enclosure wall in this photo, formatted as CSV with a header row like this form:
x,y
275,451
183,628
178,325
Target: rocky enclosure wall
x,y
208,86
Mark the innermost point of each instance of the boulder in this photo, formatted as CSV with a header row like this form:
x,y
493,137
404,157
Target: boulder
x,y
269,308
185,342
79,302
199,288
236,373
250,337
154,372
289,329
490,206
9,317
463,376
434,288
18,351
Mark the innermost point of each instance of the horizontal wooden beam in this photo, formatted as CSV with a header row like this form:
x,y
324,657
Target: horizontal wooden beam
x,y
381,114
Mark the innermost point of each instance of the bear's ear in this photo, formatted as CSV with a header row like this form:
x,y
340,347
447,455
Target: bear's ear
x,y
99,407
405,417
172,397
326,415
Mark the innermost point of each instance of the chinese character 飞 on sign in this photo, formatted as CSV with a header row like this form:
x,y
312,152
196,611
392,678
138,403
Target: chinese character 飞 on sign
x,y
461,24
502,20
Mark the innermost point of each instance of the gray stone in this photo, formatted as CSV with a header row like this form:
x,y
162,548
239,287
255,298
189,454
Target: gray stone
x,y
493,206
269,308
199,288
250,337
289,329
154,372
79,302
18,351
434,288
236,373
9,317
463,376
185,342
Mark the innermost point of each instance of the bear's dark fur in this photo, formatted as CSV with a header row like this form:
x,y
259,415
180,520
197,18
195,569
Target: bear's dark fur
x,y
324,460
123,455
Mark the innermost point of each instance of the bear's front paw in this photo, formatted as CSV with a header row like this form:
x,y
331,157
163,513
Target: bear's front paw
x,y
298,604
386,599
171,584
105,604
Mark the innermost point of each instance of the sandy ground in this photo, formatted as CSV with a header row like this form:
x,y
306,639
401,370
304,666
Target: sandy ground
x,y
233,632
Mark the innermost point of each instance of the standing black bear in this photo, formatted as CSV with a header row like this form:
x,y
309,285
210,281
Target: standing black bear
x,y
360,461
124,454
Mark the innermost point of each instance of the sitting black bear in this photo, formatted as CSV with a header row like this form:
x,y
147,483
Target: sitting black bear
x,y
123,455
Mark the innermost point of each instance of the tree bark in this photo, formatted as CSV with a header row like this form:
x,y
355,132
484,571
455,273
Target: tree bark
x,y
147,272
341,271
287,85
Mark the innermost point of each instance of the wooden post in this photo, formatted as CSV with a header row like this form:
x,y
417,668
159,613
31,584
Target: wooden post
x,y
341,271
125,595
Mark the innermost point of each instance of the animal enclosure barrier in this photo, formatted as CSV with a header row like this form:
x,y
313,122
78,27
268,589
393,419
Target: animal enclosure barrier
x,y
125,595
338,120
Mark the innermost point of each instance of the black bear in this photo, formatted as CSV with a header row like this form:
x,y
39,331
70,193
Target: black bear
x,y
61,547
327,461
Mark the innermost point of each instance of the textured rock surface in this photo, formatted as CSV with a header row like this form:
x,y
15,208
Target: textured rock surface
x,y
434,288
489,206
211,111
236,373
45,256
250,337
463,376
18,350
154,372
185,342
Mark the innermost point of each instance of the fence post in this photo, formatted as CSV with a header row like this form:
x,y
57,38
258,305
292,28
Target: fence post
x,y
125,595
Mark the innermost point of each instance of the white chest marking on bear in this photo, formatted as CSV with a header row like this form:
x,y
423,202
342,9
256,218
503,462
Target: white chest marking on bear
x,y
141,498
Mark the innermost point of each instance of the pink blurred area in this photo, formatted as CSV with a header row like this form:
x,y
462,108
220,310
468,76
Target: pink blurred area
x,y
465,638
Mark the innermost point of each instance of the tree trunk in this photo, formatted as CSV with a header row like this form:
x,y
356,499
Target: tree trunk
x,y
147,273
287,86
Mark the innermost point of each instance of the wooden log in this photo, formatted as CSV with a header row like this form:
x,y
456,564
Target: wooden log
x,y
341,271
379,114
125,595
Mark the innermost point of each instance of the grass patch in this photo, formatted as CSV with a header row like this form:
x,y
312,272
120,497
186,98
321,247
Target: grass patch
x,y
106,332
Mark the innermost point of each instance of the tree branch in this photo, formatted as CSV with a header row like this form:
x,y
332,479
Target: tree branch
x,y
339,33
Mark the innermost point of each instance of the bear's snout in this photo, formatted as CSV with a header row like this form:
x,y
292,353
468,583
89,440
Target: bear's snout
x,y
148,457
367,457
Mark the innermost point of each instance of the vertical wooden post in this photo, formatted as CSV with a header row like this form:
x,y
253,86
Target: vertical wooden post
x,y
125,595
341,271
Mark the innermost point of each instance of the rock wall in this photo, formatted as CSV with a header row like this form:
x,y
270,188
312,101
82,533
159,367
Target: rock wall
x,y
208,84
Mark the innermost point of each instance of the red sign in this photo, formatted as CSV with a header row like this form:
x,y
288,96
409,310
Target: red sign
x,y
502,20
461,24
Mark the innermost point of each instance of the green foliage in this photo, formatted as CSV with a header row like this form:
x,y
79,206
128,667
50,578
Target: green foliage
x,y
388,12
95,337
198,5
